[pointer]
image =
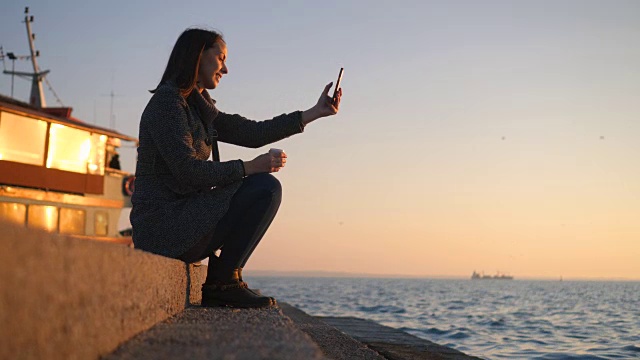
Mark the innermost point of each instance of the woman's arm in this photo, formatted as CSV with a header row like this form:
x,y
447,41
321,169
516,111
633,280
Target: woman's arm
x,y
237,130
166,120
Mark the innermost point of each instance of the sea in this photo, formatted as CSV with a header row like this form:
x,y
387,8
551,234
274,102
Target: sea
x,y
490,319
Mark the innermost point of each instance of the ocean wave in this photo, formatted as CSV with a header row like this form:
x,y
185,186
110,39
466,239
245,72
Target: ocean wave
x,y
567,356
522,314
493,322
382,309
436,331
631,348
424,331
459,335
535,341
456,334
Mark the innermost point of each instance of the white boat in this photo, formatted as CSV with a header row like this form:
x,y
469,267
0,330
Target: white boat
x,y
58,173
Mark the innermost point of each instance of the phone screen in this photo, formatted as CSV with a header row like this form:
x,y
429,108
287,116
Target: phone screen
x,y
335,91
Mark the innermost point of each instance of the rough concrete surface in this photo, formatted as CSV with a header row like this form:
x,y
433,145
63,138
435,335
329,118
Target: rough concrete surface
x,y
334,343
63,298
66,298
221,333
392,343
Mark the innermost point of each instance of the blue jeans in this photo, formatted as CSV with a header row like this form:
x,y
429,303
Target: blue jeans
x,y
250,213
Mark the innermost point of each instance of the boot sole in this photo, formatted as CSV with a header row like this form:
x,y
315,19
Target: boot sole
x,y
257,292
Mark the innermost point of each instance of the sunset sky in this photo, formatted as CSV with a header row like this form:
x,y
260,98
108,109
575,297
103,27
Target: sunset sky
x,y
473,135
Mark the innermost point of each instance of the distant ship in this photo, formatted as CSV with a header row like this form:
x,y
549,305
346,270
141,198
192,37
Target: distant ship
x,y
497,276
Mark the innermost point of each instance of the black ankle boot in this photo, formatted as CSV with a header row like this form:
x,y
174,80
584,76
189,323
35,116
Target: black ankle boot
x,y
231,292
257,292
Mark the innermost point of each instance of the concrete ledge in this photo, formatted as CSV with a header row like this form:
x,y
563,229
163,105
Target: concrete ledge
x,y
394,344
334,344
65,298
221,333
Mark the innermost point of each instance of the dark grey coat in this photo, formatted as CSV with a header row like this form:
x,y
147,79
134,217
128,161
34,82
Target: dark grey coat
x,y
180,195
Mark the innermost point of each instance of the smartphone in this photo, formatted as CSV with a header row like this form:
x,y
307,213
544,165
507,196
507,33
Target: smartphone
x,y
335,91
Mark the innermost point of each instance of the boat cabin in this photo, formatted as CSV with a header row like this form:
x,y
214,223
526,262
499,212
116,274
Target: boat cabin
x,y
60,174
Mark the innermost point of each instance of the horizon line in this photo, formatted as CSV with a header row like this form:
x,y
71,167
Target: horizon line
x,y
345,274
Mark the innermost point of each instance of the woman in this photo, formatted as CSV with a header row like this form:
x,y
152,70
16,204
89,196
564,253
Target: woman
x,y
187,207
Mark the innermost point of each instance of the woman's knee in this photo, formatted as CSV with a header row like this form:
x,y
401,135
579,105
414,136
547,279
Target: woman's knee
x,y
268,182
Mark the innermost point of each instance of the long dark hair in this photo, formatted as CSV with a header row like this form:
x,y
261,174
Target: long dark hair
x,y
184,62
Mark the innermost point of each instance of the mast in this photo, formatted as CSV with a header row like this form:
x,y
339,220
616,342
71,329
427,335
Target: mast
x,y
37,93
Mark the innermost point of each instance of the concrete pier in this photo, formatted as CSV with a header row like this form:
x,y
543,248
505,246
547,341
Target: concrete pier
x,y
65,298
68,298
282,332
391,343
221,333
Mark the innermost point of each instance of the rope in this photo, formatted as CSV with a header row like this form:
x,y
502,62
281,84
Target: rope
x,y
53,91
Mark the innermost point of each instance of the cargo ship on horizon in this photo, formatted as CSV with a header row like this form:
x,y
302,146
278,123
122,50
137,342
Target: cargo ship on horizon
x,y
497,276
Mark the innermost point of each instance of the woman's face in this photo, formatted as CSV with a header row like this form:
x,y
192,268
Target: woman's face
x,y
212,66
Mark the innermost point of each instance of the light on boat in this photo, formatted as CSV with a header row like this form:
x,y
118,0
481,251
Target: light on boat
x,y
85,150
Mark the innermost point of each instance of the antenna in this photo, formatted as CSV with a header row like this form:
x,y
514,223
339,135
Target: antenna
x,y
112,120
13,57
2,56
112,95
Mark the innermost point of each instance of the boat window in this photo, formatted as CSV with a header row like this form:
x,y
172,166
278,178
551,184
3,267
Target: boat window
x,y
13,212
22,139
98,154
72,221
69,149
101,223
42,217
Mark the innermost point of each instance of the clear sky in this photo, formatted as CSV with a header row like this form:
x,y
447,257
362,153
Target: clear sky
x,y
473,135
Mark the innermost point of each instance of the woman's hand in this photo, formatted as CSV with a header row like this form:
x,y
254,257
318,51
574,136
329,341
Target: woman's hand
x,y
326,106
265,163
